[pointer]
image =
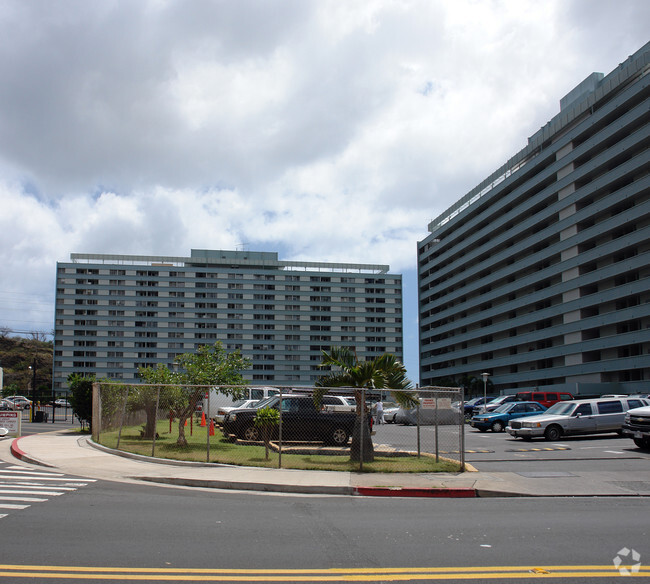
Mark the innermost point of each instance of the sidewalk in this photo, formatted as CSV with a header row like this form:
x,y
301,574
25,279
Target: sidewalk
x,y
75,455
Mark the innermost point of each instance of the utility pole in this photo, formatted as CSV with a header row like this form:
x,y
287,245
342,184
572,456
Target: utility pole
x,y
33,368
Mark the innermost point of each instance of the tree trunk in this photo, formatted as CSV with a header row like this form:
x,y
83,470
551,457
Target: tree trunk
x,y
182,441
150,424
355,447
184,415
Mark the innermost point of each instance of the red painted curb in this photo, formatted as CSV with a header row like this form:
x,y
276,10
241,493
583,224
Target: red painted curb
x,y
15,451
414,492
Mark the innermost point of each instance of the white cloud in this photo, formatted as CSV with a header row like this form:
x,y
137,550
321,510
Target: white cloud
x,y
325,130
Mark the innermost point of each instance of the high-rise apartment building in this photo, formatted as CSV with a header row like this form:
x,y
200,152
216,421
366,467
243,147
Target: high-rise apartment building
x,y
540,276
115,313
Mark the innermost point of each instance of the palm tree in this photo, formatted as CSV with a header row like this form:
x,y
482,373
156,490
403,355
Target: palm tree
x,y
383,372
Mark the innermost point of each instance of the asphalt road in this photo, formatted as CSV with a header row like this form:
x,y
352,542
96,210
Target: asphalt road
x,y
118,532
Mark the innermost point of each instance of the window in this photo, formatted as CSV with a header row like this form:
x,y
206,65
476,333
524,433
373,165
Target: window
x,y
610,407
583,410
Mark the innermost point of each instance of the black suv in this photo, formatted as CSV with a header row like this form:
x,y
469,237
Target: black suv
x,y
300,420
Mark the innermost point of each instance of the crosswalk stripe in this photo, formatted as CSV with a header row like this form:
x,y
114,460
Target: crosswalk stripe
x,y
8,485
31,473
24,499
39,478
18,491
21,487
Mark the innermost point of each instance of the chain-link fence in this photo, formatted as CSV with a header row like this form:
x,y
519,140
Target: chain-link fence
x,y
283,427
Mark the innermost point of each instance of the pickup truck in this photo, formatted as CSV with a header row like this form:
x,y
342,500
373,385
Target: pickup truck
x,y
300,421
637,426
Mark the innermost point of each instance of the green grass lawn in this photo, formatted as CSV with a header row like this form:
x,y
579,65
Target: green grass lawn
x,y
225,452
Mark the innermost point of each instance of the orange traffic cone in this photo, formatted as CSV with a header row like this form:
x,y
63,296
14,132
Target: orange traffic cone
x,y
202,419
211,431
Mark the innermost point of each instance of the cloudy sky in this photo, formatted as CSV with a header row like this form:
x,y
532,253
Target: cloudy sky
x,y
324,130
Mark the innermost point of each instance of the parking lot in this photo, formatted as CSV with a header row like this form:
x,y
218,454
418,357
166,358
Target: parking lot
x,y
499,452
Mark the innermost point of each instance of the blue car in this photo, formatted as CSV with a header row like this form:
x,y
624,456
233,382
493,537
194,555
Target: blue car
x,y
498,419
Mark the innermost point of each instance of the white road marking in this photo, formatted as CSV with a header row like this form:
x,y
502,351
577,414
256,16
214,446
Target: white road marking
x,y
59,479
19,491
4,484
24,499
32,473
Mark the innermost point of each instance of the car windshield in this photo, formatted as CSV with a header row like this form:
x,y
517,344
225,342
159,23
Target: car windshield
x,y
498,400
504,408
269,401
560,408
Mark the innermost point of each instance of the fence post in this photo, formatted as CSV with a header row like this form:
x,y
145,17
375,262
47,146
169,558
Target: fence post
x,y
417,420
280,433
96,415
361,430
155,425
119,432
462,430
436,431
207,429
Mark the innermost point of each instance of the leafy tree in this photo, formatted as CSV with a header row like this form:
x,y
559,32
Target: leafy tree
x,y
266,419
209,366
144,397
81,397
382,372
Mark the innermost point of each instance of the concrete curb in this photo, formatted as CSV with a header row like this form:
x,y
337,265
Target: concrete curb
x,y
21,455
249,486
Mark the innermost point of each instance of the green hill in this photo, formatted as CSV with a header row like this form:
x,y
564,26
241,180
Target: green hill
x,y
16,357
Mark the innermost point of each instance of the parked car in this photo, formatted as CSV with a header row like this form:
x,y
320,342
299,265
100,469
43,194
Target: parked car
x,y
428,416
390,410
494,404
300,420
19,402
6,405
239,404
586,416
498,419
547,398
62,403
637,426
468,406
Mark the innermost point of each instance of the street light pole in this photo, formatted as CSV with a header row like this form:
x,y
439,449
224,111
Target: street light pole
x,y
33,368
485,378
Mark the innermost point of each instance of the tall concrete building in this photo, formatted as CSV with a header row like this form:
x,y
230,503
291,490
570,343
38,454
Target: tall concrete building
x,y
540,276
115,313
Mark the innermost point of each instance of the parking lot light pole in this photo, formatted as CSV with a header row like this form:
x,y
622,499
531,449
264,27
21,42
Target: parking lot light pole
x,y
485,378
33,368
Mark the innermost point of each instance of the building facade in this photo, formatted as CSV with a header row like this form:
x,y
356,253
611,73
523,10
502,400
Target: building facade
x,y
115,313
540,276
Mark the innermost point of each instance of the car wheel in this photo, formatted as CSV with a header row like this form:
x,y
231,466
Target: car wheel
x,y
339,437
553,433
643,443
497,426
252,434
